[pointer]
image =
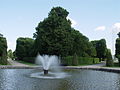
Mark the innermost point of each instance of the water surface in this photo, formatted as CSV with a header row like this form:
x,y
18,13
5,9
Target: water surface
x,y
19,79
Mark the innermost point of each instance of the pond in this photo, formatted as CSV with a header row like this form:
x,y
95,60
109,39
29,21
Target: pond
x,y
19,79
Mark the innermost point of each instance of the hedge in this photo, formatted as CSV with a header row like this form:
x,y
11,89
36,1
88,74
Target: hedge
x,y
29,59
69,60
81,60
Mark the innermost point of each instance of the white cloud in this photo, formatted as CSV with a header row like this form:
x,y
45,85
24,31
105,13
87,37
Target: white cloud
x,y
74,23
100,28
116,27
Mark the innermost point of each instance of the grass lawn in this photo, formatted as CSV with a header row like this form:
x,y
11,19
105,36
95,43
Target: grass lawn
x,y
116,65
27,63
31,64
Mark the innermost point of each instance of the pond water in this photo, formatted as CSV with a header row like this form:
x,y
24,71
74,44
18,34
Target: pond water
x,y
19,79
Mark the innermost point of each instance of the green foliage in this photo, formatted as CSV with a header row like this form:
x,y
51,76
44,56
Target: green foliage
x,y
3,51
14,55
100,46
67,60
80,60
52,35
59,12
81,45
109,61
55,36
118,34
117,45
29,59
27,63
96,60
117,51
10,54
75,60
23,47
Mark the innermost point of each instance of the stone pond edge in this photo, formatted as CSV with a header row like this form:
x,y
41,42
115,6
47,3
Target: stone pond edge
x,y
107,69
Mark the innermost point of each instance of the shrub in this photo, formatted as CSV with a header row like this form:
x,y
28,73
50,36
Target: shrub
x,y
109,61
95,60
81,60
67,60
75,60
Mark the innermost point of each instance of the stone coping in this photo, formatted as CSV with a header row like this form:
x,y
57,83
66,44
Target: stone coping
x,y
107,69
18,67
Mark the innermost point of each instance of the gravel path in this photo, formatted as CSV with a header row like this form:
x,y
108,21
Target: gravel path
x,y
15,63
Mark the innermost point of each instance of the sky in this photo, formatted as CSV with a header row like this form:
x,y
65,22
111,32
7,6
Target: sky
x,y
96,19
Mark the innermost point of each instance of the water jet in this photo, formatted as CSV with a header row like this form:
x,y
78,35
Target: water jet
x,y
50,67
47,62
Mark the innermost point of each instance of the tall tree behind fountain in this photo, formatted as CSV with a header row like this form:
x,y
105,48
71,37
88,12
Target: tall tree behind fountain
x,y
53,33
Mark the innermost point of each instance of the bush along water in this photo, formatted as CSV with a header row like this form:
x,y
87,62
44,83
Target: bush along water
x,y
77,60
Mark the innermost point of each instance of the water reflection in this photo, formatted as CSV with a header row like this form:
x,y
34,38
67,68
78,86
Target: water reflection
x,y
19,79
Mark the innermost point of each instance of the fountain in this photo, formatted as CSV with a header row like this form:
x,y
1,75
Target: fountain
x,y
46,61
50,65
45,72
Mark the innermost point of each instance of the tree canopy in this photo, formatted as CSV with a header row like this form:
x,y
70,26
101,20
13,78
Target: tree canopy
x,y
10,54
23,47
101,48
54,35
3,50
117,46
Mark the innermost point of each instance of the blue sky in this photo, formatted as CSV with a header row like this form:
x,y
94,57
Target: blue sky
x,y
96,19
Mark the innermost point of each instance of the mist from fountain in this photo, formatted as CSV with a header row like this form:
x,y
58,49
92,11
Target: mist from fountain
x,y
51,67
47,61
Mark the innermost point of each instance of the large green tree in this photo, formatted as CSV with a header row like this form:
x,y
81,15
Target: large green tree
x,y
54,35
23,47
